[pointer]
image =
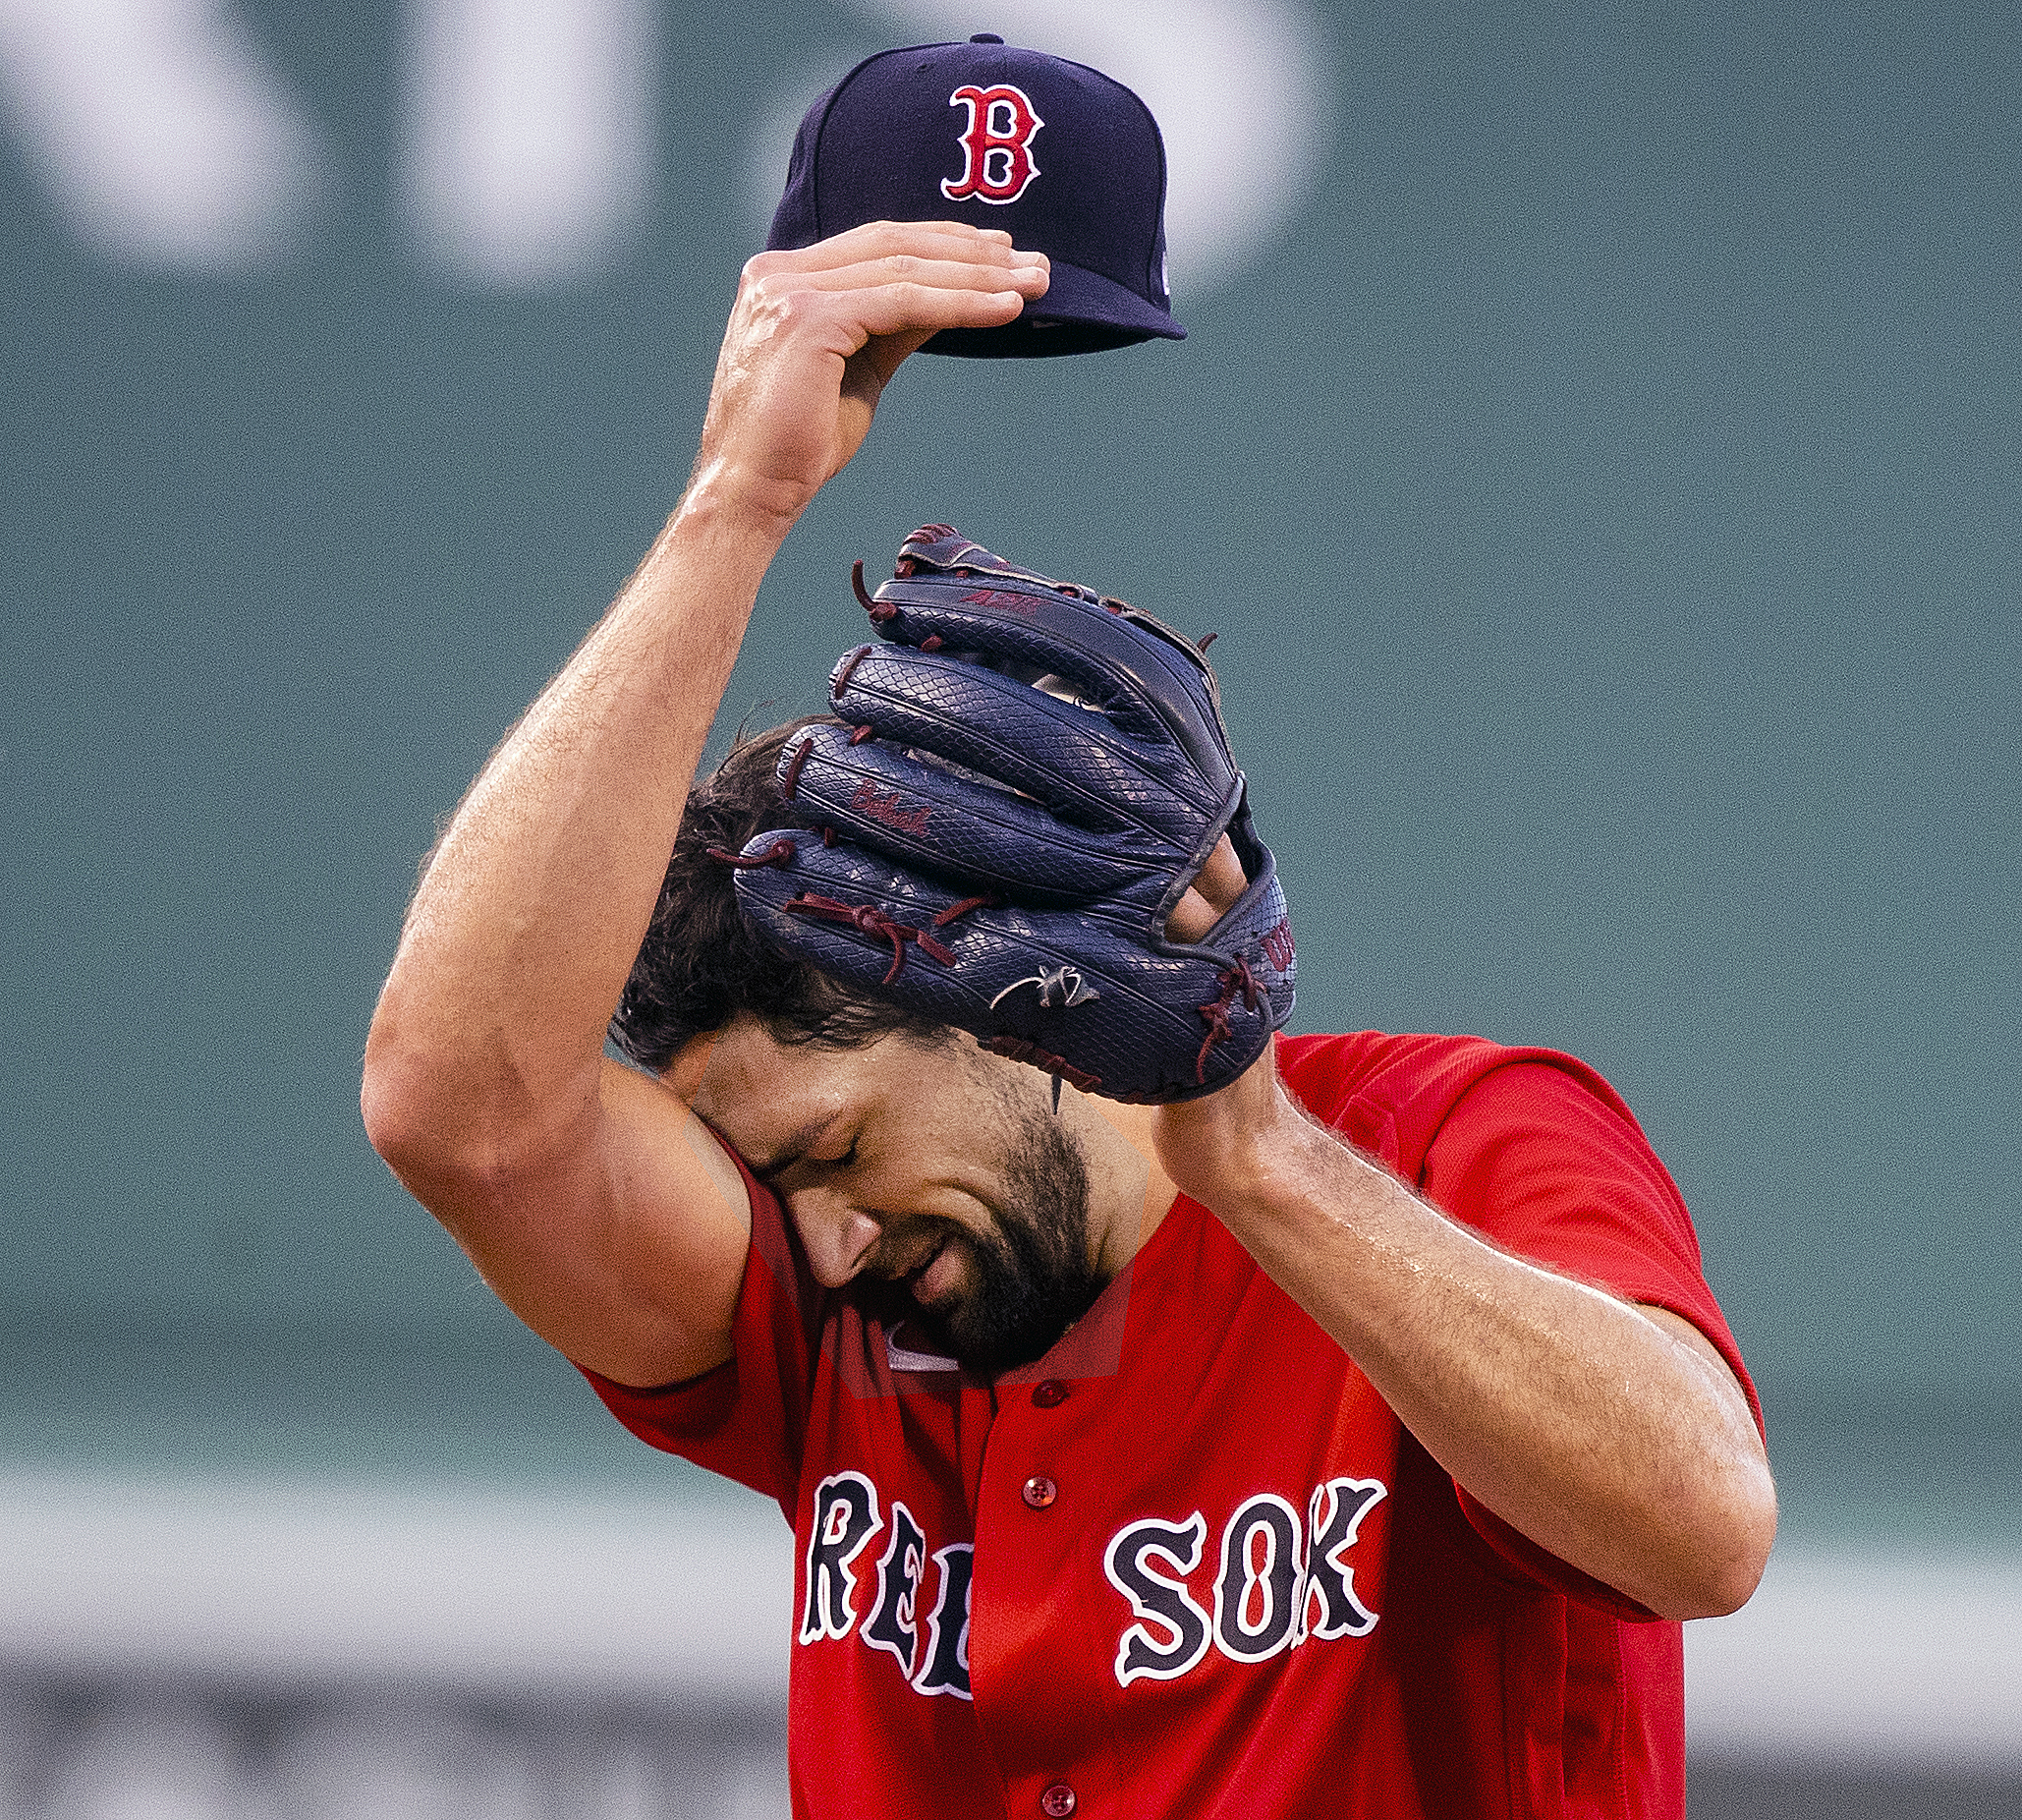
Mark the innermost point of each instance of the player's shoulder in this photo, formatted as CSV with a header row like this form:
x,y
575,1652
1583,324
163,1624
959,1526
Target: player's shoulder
x,y
1327,1071
1392,1093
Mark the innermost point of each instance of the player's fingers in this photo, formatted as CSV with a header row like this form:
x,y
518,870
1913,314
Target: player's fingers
x,y
1028,272
881,239
884,354
887,349
1223,879
866,248
849,307
908,306
1208,899
1191,917
868,370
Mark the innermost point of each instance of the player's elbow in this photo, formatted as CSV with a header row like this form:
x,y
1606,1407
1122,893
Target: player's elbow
x,y
1742,1570
393,1101
1732,1548
444,1117
409,1116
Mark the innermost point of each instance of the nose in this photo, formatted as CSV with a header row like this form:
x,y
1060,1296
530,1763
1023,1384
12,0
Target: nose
x,y
839,1236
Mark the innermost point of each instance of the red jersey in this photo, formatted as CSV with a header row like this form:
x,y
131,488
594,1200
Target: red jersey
x,y
1190,1563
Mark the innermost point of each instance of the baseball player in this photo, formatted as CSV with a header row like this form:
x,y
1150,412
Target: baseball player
x,y
1174,1418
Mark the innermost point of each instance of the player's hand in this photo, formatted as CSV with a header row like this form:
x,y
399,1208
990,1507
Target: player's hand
x,y
1204,1144
1222,1150
816,333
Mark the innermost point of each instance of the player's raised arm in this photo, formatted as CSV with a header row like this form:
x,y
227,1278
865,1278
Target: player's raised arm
x,y
588,1197
1614,1436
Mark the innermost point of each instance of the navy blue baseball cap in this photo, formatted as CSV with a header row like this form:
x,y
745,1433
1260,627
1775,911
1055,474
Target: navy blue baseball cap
x,y
1066,159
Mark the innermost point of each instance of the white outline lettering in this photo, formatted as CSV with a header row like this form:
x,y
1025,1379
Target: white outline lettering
x,y
946,1667
1281,1580
834,1553
1127,1561
1328,1576
895,1623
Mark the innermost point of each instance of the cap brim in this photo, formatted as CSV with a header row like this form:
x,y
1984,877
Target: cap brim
x,y
1082,313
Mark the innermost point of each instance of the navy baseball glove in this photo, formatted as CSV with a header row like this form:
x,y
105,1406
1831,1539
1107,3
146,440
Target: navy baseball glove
x,y
1029,777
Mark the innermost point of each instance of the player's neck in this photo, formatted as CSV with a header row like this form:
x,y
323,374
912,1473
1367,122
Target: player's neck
x,y
1130,1193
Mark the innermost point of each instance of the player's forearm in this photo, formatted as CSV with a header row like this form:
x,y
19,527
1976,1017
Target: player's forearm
x,y
1580,1420
490,1029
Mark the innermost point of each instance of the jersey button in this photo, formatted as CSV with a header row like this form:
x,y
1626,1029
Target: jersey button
x,y
1057,1802
1049,1395
1039,1491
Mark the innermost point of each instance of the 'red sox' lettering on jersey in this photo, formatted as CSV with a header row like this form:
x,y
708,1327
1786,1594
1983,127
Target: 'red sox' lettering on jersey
x,y
996,144
846,1518
894,1623
1266,1593
1269,1591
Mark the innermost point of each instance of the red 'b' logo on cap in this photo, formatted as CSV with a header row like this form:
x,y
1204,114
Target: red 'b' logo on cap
x,y
997,143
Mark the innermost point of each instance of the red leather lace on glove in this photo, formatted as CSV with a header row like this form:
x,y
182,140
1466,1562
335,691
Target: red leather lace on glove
x,y
872,921
867,917
777,854
1238,979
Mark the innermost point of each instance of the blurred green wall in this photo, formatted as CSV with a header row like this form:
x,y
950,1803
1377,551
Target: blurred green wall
x,y
1605,486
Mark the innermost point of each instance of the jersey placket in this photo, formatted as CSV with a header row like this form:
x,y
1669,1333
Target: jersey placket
x,y
1032,1643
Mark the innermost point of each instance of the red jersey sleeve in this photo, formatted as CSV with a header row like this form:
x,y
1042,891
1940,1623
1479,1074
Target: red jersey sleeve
x,y
748,1418
1558,1172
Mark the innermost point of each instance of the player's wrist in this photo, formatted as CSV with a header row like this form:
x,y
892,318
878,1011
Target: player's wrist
x,y
731,502
1240,1151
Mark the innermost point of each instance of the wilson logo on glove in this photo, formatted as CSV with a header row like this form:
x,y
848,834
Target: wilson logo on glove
x,y
1024,778
1008,602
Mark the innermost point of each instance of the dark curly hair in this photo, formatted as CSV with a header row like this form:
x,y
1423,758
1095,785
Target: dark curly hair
x,y
702,964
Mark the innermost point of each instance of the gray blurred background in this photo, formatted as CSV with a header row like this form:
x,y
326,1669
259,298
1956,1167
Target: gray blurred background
x,y
1596,446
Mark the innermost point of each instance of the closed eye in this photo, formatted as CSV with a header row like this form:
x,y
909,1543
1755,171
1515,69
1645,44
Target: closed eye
x,y
774,1176
801,1147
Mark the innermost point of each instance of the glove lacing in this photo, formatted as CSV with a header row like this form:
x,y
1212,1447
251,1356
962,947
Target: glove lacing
x,y
1238,979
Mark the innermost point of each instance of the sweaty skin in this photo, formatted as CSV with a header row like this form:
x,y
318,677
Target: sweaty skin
x,y
600,1207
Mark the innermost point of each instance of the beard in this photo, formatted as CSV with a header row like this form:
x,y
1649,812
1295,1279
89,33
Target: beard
x,y
1031,1276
